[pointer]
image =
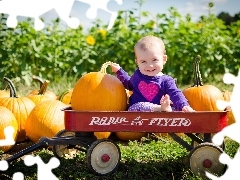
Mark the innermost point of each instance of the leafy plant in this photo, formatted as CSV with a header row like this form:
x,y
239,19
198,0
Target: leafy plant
x,y
56,51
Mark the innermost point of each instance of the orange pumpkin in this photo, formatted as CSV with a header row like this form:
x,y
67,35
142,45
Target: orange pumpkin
x,y
102,135
99,91
20,107
45,120
4,93
7,119
202,97
66,96
130,136
227,96
47,93
37,98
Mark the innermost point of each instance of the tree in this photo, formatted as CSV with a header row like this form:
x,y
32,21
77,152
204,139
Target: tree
x,y
236,17
227,18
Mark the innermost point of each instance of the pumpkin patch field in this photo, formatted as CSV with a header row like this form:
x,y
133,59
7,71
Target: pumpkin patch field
x,y
143,155
43,72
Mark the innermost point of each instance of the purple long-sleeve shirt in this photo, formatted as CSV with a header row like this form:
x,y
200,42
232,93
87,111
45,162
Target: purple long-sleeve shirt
x,y
151,89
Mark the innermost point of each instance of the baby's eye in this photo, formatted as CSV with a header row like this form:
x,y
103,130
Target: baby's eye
x,y
155,60
143,62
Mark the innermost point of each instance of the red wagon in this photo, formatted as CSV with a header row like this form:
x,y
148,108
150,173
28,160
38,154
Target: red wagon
x,y
103,156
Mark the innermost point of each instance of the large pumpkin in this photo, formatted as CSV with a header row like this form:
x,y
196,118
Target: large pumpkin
x,y
99,91
20,107
202,97
45,120
7,119
227,96
47,93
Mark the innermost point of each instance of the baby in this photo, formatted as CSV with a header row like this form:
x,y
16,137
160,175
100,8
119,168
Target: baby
x,y
152,90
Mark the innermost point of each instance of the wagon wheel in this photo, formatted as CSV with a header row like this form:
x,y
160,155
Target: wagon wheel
x,y
103,156
205,157
64,151
201,136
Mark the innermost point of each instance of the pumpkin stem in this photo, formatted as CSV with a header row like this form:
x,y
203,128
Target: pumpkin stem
x,y
197,79
11,87
38,79
43,88
104,67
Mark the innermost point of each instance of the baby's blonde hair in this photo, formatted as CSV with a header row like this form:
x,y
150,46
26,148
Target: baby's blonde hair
x,y
148,42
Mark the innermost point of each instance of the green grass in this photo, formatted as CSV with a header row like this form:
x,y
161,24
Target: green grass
x,y
150,158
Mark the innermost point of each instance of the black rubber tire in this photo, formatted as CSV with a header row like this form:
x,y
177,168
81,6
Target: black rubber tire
x,y
201,136
58,150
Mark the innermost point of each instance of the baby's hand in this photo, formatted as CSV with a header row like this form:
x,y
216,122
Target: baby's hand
x,y
115,67
187,109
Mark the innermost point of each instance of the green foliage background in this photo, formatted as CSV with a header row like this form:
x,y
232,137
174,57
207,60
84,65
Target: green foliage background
x,y
55,52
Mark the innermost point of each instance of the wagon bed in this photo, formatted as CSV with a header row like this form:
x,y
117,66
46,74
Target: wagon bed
x,y
166,122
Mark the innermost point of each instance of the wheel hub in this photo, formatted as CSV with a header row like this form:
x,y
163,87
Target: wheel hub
x,y
207,163
105,158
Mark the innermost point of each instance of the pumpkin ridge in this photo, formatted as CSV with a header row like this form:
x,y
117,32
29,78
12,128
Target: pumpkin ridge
x,y
48,110
23,112
211,103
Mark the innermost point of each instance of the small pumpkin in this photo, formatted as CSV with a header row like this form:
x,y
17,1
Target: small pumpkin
x,y
202,97
99,91
130,136
20,107
37,98
45,120
102,135
66,96
7,119
47,93
227,96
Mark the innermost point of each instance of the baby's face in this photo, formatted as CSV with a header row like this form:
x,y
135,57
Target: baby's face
x,y
150,61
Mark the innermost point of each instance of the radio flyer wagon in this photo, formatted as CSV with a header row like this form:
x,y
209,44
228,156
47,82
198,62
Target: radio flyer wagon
x,y
103,155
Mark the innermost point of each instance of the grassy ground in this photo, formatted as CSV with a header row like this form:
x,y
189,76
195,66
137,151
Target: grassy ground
x,y
151,158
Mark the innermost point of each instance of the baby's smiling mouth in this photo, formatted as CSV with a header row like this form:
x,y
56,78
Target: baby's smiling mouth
x,y
151,70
